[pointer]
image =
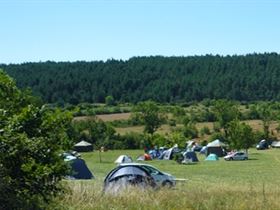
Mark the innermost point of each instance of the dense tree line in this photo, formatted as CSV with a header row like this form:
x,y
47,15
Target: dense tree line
x,y
163,79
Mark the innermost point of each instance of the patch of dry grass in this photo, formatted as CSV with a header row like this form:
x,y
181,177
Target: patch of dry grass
x,y
188,196
113,117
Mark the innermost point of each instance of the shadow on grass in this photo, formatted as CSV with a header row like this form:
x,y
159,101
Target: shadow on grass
x,y
253,159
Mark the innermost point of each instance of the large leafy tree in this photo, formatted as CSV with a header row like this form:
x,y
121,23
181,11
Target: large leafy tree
x,y
31,138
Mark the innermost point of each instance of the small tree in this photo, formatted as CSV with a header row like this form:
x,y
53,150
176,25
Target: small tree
x,y
109,100
225,111
266,114
150,114
240,135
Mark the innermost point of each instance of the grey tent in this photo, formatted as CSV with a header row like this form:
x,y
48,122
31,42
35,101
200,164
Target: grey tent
x,y
123,159
83,146
123,176
168,154
215,147
276,144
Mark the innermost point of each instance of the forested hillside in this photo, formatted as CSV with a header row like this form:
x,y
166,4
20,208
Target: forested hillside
x,y
162,79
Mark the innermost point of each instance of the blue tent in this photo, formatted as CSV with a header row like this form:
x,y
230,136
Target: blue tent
x,y
212,157
78,169
190,156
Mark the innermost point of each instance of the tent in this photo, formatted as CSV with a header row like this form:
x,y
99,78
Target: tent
x,y
190,145
276,144
212,157
168,154
78,169
215,147
216,143
123,176
144,157
190,157
203,150
263,144
83,146
123,159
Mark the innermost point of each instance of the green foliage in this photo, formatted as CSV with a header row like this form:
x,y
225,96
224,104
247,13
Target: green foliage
x,y
266,114
205,130
217,135
109,101
159,140
252,77
225,111
190,131
240,135
131,141
96,132
31,139
86,109
176,137
150,115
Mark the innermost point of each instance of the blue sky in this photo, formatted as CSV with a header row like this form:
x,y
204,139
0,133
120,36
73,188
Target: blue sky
x,y
70,30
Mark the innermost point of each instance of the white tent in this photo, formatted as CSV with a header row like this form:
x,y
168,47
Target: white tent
x,y
215,147
123,159
216,143
83,146
276,144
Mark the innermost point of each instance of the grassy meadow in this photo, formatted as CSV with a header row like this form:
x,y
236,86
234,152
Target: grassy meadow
x,y
246,185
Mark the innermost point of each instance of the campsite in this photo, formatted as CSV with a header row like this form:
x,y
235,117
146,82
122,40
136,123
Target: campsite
x,y
140,105
252,184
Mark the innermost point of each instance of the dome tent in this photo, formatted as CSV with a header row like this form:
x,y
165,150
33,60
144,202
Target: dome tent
x,y
212,157
123,159
125,175
78,168
189,156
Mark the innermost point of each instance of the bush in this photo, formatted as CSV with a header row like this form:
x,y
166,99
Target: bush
x,y
205,130
190,131
217,135
131,140
31,138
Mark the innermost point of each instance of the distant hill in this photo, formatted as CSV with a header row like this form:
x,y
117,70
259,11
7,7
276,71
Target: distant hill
x,y
163,79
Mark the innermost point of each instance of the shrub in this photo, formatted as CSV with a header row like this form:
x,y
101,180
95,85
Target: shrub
x,y
31,138
205,130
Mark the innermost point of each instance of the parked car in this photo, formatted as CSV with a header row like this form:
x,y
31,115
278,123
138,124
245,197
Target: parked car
x,y
236,156
161,178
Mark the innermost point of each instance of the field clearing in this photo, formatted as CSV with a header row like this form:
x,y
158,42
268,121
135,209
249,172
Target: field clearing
x,y
113,117
246,185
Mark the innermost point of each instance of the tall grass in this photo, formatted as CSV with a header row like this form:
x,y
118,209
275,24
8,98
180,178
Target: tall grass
x,y
89,195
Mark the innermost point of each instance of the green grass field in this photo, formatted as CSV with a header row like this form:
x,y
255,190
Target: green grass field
x,y
252,184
